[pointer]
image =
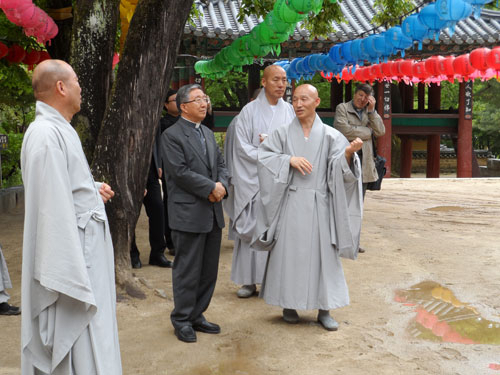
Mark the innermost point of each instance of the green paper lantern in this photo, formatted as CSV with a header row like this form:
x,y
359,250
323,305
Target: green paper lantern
x,y
284,13
274,23
305,6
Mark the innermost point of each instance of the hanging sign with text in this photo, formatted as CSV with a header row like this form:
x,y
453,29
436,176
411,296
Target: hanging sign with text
x,y
468,100
387,99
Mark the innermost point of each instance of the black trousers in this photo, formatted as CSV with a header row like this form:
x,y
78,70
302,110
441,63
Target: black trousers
x,y
168,231
194,274
153,203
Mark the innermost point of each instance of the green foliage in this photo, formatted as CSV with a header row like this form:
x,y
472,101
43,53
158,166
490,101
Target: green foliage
x,y
486,122
390,12
449,95
229,91
11,168
15,84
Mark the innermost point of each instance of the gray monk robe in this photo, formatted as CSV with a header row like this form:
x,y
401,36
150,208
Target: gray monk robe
x,y
4,279
68,282
240,153
309,221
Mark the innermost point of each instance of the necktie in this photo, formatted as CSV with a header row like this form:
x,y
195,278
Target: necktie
x,y
202,140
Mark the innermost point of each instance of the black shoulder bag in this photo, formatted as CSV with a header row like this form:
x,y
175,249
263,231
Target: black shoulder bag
x,y
379,166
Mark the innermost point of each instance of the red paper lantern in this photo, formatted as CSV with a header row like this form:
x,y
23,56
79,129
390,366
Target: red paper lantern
x,y
493,58
406,67
478,58
44,55
31,58
376,71
16,54
4,50
387,69
463,67
431,65
419,71
346,75
360,74
445,66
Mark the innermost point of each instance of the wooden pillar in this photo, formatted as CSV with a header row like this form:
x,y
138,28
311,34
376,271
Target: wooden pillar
x,y
408,103
464,143
192,74
406,156
253,80
433,155
348,92
434,99
336,93
421,98
384,143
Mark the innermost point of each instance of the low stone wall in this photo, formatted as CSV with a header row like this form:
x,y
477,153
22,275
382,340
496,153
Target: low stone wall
x,y
11,199
492,168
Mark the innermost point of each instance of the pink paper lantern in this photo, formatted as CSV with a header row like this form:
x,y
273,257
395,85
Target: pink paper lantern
x,y
478,58
431,65
463,67
493,58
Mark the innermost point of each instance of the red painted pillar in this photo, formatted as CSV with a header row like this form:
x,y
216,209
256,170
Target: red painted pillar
x,y
464,143
421,98
406,156
384,143
433,155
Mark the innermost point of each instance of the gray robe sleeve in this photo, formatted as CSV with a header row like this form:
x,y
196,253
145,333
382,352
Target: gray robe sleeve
x,y
274,178
346,204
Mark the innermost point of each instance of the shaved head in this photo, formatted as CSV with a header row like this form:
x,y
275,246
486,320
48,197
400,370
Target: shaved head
x,y
46,75
270,70
307,89
55,83
305,101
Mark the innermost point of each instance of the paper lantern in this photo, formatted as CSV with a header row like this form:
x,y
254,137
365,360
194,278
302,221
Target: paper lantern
x,y
414,29
346,75
493,58
445,67
316,62
477,5
368,49
419,71
4,50
335,54
431,65
345,53
305,6
406,67
357,53
453,11
429,17
395,69
360,74
16,54
328,76
399,41
376,71
387,69
44,55
463,67
478,58
383,48
31,58
286,14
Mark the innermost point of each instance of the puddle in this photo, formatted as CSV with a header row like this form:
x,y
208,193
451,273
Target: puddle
x,y
441,317
446,208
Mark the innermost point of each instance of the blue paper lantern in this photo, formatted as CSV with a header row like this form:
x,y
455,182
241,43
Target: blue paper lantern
x,y
415,30
368,49
357,53
429,17
330,65
453,11
477,5
382,47
291,72
399,41
315,62
335,54
345,53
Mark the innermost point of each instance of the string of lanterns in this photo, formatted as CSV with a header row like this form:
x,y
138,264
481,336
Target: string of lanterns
x,y
32,19
266,37
481,63
16,54
427,24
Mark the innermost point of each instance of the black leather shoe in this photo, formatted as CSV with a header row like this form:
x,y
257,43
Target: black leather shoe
x,y
136,263
6,309
160,261
186,334
207,327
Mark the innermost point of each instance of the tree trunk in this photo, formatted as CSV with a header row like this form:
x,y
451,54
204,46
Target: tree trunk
x,y
123,151
59,47
92,48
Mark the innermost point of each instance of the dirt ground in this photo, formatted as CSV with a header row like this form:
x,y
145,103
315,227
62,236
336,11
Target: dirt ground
x,y
444,230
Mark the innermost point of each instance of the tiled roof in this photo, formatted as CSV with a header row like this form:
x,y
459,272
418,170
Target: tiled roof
x,y
219,19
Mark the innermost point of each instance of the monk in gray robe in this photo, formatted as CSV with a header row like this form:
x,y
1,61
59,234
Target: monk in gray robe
x,y
5,283
257,119
310,182
68,292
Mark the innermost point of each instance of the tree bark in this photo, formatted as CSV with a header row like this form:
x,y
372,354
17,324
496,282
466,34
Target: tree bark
x,y
92,47
123,152
59,47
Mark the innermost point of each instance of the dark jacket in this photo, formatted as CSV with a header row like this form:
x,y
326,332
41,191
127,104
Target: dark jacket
x,y
191,177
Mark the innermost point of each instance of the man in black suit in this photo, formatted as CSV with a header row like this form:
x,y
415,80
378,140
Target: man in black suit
x,y
196,182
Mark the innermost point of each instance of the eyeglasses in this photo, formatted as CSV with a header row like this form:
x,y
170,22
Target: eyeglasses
x,y
199,100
